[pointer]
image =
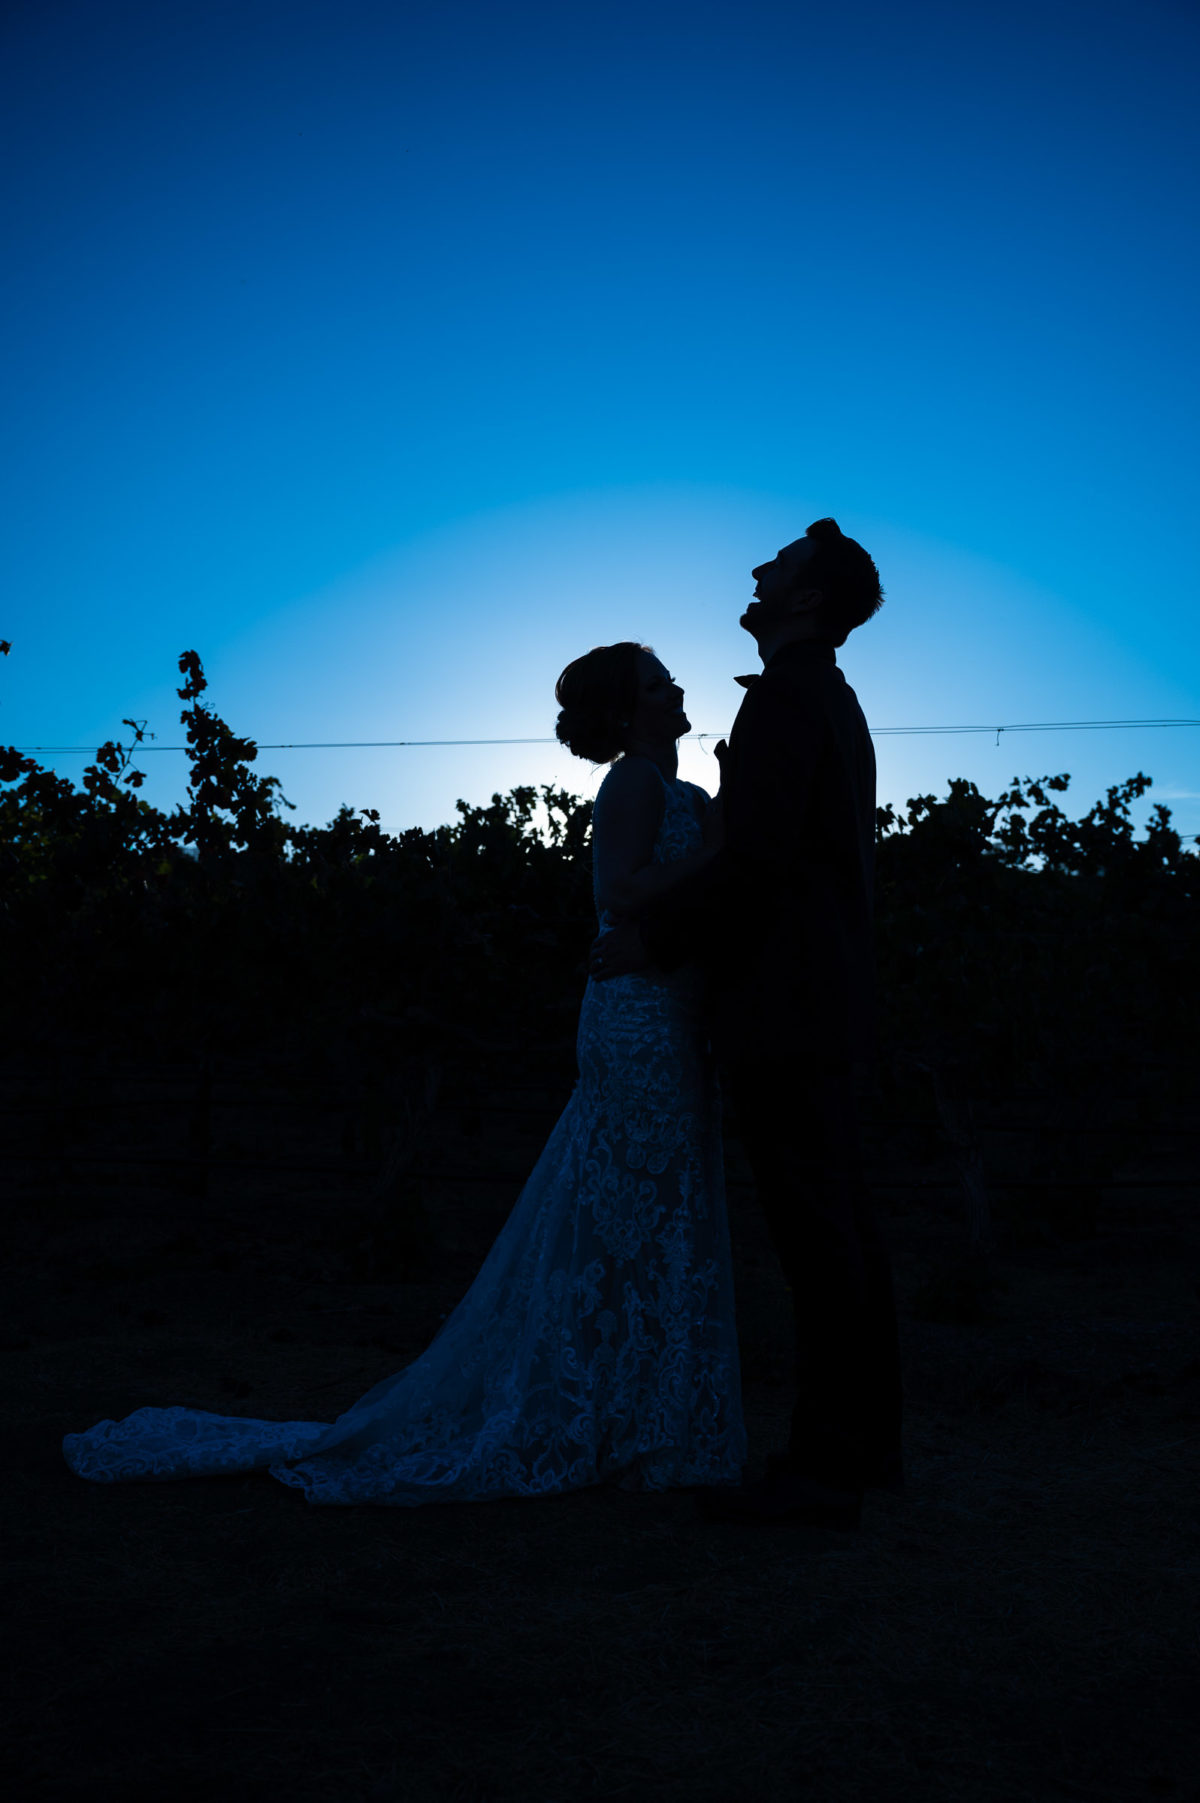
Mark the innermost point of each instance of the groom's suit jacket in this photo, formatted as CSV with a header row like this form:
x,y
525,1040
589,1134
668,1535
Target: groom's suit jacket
x,y
782,918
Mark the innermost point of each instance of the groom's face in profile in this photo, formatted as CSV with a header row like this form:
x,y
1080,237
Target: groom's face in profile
x,y
776,586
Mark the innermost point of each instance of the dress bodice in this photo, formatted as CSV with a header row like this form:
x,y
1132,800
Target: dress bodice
x,y
679,831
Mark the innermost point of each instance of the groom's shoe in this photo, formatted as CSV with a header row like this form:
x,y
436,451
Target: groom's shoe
x,y
785,1496
892,1479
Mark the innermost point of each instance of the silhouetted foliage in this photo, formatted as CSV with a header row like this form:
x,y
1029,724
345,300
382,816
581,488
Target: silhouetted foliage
x,y
1032,946
221,924
1020,952
1044,970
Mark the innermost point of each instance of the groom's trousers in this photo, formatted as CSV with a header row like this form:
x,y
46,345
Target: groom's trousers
x,y
798,1122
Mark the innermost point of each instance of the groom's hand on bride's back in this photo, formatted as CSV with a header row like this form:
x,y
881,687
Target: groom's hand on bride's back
x,y
618,952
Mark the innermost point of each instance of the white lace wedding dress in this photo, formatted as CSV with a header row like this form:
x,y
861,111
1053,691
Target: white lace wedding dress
x,y
598,1342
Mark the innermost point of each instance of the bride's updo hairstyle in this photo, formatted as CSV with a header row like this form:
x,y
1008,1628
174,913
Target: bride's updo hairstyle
x,y
597,695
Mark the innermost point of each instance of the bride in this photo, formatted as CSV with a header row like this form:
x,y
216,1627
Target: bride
x,y
598,1343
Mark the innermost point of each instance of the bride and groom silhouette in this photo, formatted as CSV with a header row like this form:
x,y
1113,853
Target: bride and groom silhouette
x,y
598,1342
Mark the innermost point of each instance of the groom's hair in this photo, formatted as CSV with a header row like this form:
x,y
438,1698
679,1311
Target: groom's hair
x,y
597,695
847,577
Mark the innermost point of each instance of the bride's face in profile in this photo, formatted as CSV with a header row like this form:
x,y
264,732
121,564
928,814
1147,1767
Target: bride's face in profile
x,y
658,717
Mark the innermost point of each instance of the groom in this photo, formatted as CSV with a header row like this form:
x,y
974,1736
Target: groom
x,y
782,921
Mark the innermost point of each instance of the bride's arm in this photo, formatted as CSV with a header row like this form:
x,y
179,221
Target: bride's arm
x,y
624,824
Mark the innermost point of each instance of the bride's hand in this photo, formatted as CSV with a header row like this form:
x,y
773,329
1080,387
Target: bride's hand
x,y
617,952
713,825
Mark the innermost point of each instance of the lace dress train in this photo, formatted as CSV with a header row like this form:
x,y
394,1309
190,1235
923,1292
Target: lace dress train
x,y
598,1341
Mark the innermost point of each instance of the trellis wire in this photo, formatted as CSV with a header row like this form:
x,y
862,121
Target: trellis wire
x,y
878,732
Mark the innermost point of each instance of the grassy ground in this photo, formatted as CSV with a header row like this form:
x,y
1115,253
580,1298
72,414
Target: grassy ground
x,y
1021,1624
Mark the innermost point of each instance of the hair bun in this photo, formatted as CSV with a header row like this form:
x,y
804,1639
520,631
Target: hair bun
x,y
589,732
597,695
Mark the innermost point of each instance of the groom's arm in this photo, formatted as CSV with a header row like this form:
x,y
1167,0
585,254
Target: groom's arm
x,y
680,926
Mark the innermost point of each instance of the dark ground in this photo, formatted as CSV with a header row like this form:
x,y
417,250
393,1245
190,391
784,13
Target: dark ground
x,y
1021,1624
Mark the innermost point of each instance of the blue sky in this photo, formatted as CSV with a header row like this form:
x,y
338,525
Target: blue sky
x,y
392,356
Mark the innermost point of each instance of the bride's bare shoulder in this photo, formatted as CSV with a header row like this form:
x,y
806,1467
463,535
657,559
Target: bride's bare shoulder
x,y
633,785
632,776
